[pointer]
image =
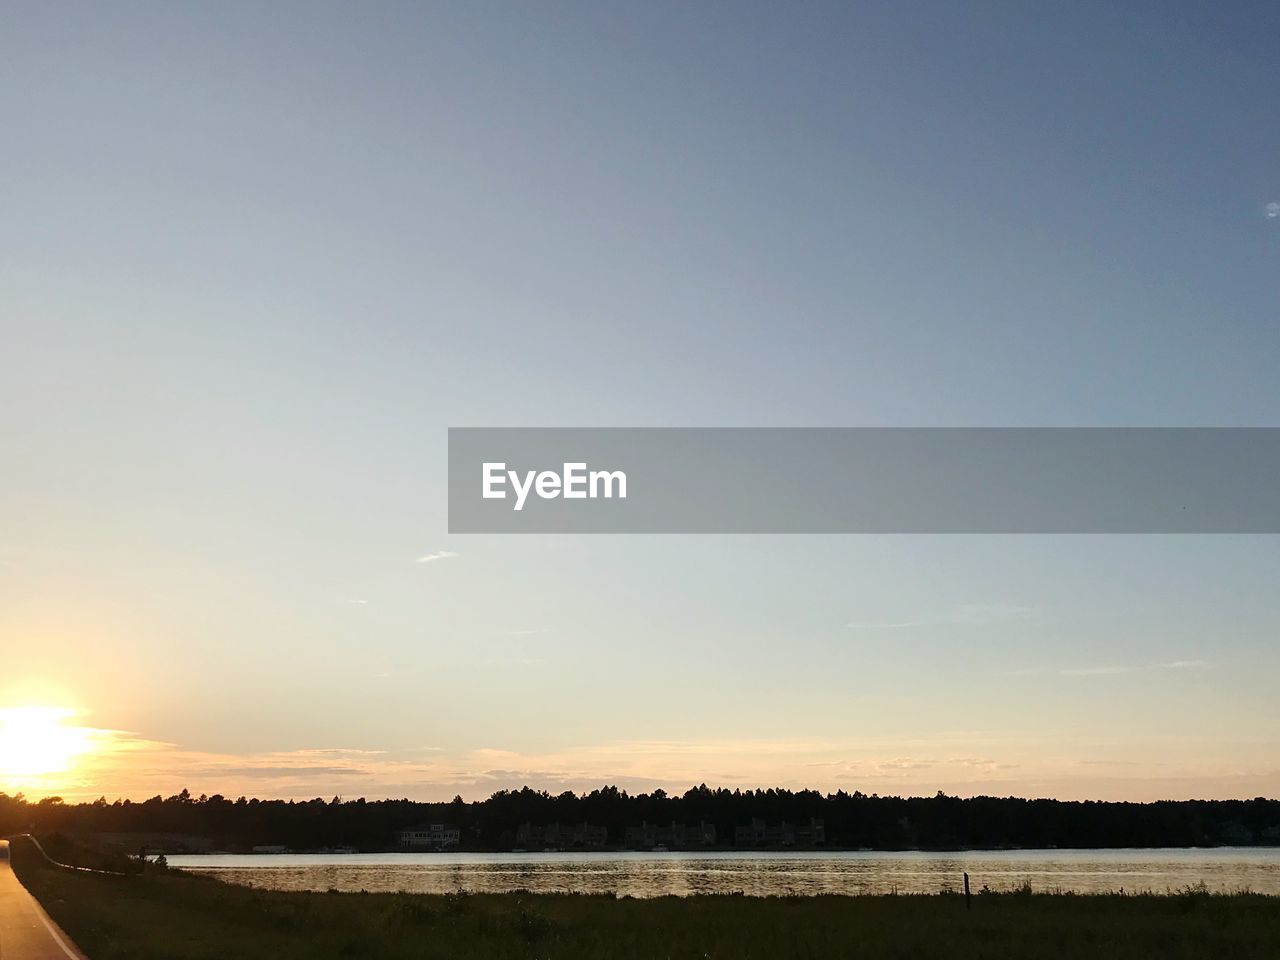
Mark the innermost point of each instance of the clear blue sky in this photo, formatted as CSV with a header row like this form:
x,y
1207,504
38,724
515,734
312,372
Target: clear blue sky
x,y
254,260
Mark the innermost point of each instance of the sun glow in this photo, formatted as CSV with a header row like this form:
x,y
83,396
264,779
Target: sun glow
x,y
36,741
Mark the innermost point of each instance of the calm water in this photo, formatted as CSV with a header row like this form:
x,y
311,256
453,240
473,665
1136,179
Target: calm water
x,y
757,874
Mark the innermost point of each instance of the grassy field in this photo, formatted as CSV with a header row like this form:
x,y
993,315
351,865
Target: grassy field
x,y
175,915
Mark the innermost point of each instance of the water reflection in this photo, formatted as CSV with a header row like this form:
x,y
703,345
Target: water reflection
x,y
756,874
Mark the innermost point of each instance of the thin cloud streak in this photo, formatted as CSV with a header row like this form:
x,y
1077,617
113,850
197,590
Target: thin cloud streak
x,y
1107,671
965,614
438,555
965,763
893,625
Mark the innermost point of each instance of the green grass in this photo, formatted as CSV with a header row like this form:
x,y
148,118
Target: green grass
x,y
176,915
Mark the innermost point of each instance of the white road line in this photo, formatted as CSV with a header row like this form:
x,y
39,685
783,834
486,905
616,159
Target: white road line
x,y
57,939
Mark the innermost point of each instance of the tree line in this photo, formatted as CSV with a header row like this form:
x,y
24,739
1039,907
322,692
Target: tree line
x,y
851,820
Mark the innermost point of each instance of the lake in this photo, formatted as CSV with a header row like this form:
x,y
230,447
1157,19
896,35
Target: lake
x,y
757,874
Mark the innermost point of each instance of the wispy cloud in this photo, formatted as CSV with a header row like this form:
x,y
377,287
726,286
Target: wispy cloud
x,y
965,614
967,763
360,603
1117,763
438,555
1105,671
888,624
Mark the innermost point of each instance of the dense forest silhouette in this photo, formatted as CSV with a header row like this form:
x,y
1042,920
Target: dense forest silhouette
x,y
852,820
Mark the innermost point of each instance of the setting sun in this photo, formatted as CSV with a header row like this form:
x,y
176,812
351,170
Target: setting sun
x,y
38,740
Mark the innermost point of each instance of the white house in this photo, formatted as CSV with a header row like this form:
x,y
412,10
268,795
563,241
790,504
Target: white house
x,y
430,836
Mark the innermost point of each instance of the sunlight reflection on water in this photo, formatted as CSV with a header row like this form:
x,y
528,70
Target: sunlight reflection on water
x,y
756,874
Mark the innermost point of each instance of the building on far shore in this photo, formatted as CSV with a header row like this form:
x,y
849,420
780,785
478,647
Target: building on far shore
x,y
553,836
677,836
759,834
429,836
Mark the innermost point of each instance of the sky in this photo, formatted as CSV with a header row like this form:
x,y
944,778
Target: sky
x,y
255,260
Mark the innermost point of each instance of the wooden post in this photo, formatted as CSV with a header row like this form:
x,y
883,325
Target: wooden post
x,y
968,903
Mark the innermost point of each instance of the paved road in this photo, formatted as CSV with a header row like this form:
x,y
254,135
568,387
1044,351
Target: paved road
x,y
26,932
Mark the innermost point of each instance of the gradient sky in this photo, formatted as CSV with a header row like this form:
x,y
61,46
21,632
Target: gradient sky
x,y
255,259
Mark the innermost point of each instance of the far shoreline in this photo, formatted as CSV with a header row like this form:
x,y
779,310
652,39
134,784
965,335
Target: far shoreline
x,y
718,852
